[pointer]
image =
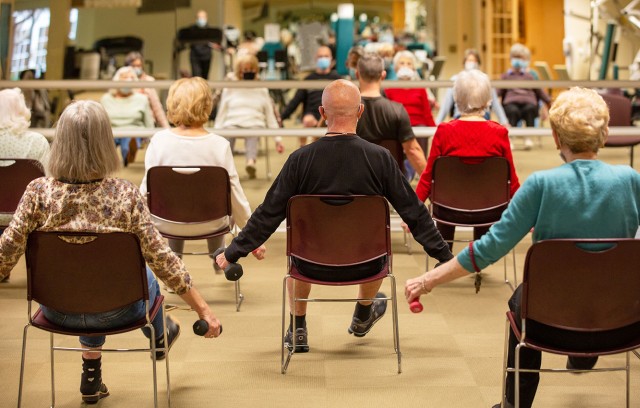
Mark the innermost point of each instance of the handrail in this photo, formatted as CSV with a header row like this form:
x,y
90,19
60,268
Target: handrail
x,y
73,84
421,132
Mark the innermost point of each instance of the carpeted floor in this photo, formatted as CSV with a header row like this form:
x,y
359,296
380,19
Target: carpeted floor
x,y
452,352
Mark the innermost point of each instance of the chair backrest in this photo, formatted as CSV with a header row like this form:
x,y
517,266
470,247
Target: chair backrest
x,y
543,69
619,109
562,72
394,146
15,178
76,272
189,194
469,190
582,285
338,230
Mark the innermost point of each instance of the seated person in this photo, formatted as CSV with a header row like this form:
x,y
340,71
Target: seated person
x,y
16,140
521,103
471,61
127,110
415,100
470,136
573,200
135,60
310,98
81,179
247,108
189,105
357,167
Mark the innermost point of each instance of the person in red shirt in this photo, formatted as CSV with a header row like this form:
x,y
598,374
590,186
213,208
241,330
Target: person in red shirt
x,y
469,136
415,100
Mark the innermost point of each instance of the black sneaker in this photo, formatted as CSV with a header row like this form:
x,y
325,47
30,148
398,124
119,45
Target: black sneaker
x,y
302,345
360,328
173,332
499,405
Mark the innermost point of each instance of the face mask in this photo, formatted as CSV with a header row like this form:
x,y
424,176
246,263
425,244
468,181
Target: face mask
x,y
352,73
469,65
323,63
405,73
125,90
201,22
518,63
138,72
249,75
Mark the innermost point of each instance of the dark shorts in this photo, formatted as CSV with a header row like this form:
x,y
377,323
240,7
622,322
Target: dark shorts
x,y
339,273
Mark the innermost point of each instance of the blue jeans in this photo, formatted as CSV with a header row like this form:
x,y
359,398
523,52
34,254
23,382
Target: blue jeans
x,y
112,319
123,142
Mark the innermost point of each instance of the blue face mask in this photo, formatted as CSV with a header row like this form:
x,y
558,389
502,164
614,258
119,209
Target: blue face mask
x,y
201,22
323,63
518,63
352,73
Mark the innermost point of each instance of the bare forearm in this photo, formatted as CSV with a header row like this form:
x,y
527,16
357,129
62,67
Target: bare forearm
x,y
417,160
193,298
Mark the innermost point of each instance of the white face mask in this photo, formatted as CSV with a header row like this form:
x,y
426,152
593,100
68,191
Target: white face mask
x,y
405,73
469,65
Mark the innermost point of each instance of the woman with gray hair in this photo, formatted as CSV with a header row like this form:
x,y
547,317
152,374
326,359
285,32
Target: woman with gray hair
x,y
135,60
469,136
81,194
127,109
582,198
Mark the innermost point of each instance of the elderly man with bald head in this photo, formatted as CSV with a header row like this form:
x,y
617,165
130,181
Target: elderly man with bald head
x,y
311,98
341,163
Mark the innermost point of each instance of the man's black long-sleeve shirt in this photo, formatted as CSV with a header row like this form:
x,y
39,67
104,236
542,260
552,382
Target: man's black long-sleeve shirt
x,y
339,165
311,99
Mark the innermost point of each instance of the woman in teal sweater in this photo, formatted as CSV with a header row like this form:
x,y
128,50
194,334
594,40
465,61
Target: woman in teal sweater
x,y
583,198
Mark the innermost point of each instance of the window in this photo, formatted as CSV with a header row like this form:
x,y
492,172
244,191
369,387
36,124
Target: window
x,y
30,39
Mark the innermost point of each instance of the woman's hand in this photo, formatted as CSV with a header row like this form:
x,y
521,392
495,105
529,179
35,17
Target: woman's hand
x,y
416,287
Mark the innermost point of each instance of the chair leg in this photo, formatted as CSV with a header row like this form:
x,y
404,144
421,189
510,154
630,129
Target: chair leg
x,y
515,276
153,357
284,364
53,382
407,243
504,364
396,334
239,296
266,155
24,349
517,374
166,358
628,378
631,156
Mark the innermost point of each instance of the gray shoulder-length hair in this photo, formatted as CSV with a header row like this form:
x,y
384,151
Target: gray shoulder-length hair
x,y
472,92
83,148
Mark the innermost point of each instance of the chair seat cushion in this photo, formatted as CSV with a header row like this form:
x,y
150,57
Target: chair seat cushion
x,y
41,322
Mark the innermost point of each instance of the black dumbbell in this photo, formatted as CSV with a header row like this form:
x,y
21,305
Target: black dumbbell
x,y
201,327
233,271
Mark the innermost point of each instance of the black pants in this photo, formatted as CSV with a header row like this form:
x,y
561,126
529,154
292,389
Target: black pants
x,y
532,359
200,67
521,111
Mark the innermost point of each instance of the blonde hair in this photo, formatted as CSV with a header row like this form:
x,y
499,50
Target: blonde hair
x,y
520,51
83,148
472,92
580,119
189,102
15,117
244,61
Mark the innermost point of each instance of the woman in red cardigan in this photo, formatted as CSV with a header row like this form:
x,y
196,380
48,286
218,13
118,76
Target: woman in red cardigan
x,y
469,136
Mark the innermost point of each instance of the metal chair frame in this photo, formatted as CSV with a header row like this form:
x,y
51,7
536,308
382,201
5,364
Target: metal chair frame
x,y
322,216
52,254
192,194
551,266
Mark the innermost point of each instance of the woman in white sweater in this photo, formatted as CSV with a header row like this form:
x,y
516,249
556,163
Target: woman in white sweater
x,y
247,108
189,105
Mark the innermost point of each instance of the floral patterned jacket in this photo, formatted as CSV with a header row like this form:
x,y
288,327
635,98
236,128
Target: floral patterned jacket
x,y
107,205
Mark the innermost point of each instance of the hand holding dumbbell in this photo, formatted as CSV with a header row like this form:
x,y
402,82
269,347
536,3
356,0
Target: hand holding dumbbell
x,y
201,327
233,271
